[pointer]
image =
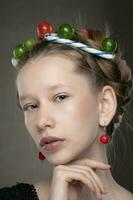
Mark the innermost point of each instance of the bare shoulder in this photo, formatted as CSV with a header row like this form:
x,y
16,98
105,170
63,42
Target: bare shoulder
x,y
125,194
130,196
42,189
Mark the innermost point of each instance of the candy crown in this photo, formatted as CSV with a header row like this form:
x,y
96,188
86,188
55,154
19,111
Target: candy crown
x,y
64,35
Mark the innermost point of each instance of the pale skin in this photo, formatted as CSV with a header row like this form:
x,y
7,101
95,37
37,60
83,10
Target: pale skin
x,y
81,170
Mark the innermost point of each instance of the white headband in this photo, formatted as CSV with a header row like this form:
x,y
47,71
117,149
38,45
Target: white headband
x,y
53,37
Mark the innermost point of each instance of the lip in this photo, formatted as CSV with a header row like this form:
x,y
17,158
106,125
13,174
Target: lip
x,y
52,146
46,140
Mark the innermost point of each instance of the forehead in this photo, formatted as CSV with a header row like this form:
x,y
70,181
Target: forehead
x,y
47,71
49,63
49,67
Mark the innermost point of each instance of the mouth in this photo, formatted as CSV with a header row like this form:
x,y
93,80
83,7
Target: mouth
x,y
51,143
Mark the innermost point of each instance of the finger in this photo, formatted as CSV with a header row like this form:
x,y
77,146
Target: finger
x,y
92,163
94,186
94,175
97,191
77,175
98,181
97,184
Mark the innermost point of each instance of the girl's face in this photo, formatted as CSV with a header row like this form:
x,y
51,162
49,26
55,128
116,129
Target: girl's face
x,y
58,102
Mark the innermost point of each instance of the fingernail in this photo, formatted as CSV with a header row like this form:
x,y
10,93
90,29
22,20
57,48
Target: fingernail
x,y
108,165
99,195
105,192
105,189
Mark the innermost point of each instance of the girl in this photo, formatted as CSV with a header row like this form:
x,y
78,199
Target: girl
x,y
72,99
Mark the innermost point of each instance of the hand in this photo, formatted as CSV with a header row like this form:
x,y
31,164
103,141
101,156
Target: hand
x,y
82,171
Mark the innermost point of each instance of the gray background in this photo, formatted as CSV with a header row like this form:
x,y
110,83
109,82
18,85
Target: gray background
x,y
18,19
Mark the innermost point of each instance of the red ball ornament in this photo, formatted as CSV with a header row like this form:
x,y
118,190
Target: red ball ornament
x,y
104,139
41,156
90,33
43,28
87,32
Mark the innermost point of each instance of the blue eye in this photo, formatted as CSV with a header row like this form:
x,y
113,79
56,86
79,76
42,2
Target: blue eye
x,y
62,97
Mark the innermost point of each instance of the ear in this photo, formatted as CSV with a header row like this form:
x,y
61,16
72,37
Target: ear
x,y
107,105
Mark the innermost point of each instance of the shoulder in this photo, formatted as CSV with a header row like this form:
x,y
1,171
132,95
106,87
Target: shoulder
x,y
129,196
42,189
125,194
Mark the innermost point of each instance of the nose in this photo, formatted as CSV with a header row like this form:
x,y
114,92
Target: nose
x,y
44,119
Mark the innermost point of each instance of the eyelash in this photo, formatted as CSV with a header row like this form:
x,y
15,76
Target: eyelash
x,y
25,108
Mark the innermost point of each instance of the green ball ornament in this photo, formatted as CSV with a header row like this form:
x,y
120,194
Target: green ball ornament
x,y
66,31
19,51
29,44
109,45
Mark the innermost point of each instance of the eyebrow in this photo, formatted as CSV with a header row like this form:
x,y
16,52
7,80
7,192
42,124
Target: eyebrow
x,y
51,88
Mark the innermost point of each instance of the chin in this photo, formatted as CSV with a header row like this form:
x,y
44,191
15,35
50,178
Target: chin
x,y
63,156
60,159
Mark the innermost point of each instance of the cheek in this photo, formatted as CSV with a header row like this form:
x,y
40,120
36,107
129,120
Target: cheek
x,y
86,116
29,124
87,111
80,116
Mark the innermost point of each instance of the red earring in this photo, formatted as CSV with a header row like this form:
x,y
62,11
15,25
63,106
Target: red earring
x,y
41,156
104,138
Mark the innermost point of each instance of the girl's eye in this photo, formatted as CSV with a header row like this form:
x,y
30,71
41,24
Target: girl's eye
x,y
29,108
61,97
